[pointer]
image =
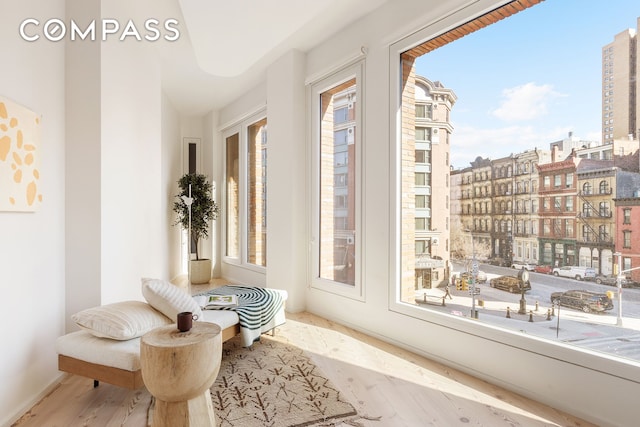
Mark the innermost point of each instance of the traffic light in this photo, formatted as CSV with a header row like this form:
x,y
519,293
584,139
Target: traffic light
x,y
461,284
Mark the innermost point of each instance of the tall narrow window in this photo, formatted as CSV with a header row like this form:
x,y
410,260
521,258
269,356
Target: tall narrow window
x,y
246,193
338,159
336,112
257,193
232,211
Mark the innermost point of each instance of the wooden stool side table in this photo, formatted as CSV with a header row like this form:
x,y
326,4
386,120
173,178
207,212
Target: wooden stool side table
x,y
178,368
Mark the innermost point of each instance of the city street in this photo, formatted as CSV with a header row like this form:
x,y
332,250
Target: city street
x,y
596,331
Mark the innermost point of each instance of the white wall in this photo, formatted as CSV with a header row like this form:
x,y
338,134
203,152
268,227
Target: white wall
x,y
210,150
32,244
286,173
171,171
116,210
132,222
82,168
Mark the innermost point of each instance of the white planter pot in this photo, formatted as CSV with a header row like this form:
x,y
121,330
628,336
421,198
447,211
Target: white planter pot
x,y
200,271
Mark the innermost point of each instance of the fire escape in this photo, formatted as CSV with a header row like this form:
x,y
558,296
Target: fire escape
x,y
592,216
557,225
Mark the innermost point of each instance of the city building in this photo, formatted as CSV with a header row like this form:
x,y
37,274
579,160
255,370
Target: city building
x,y
502,213
627,243
433,104
480,220
474,188
455,198
624,151
535,210
498,202
557,191
339,188
525,204
616,165
571,142
596,230
620,64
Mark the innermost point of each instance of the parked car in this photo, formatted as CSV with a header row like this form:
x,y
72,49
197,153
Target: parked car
x,y
522,265
498,261
604,279
574,272
586,301
509,283
482,276
544,269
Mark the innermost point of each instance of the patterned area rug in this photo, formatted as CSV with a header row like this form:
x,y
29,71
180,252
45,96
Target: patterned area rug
x,y
272,384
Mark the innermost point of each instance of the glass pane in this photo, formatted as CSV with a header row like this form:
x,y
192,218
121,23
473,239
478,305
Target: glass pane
x,y
257,194
424,182
232,213
338,166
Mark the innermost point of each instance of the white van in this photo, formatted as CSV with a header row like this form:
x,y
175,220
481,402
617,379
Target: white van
x,y
574,272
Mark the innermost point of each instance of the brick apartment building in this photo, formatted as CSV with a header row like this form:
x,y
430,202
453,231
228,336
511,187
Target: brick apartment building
x,y
553,208
424,181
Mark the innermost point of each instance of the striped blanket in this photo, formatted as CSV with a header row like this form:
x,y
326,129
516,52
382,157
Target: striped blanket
x,y
259,310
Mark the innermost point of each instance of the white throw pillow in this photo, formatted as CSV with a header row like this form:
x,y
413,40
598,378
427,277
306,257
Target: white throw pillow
x,y
120,321
168,298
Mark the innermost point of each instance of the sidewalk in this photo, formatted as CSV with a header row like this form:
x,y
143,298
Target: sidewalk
x,y
574,325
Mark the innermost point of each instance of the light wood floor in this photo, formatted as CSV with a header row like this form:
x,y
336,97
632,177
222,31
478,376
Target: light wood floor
x,y
388,385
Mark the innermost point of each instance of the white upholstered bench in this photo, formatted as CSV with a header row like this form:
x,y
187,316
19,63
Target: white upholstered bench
x,y
117,362
107,348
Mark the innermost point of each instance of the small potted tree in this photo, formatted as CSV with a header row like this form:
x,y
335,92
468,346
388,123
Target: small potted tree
x,y
195,209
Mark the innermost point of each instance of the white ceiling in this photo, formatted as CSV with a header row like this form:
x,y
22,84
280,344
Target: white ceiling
x,y
225,46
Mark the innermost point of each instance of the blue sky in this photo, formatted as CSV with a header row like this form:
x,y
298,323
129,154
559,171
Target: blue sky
x,y
530,79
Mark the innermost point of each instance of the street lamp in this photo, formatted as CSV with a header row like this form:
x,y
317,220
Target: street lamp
x,y
523,277
619,285
474,276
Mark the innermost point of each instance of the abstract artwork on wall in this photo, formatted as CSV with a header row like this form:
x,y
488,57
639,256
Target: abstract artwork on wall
x,y
19,158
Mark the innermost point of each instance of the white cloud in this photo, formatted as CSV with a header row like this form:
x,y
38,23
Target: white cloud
x,y
468,142
525,102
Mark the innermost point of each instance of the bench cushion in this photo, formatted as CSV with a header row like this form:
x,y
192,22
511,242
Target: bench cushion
x,y
168,298
83,345
120,321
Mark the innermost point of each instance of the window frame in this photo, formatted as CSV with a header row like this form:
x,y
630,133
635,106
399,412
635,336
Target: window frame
x,y
226,258
354,70
460,325
253,121
241,128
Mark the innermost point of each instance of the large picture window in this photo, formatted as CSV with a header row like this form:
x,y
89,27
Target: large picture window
x,y
422,75
336,183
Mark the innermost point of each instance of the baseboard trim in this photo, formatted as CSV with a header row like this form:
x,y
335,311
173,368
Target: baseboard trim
x,y
26,407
